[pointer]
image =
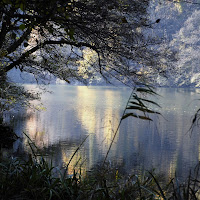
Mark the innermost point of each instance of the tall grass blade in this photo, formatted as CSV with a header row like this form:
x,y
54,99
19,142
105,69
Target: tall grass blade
x,y
77,149
159,187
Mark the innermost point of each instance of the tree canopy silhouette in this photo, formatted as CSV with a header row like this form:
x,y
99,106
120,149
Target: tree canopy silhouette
x,y
54,37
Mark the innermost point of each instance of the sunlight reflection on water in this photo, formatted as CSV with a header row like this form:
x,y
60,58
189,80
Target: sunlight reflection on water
x,y
73,112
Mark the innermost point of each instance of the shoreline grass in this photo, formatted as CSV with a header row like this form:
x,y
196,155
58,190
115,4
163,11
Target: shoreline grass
x,y
35,178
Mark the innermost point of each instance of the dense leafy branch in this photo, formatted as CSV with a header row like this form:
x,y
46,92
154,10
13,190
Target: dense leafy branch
x,y
81,40
115,30
41,45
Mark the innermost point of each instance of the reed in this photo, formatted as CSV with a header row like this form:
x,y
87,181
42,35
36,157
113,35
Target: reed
x,y
136,107
34,178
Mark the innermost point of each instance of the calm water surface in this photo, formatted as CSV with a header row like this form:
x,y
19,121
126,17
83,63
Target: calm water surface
x,y
73,112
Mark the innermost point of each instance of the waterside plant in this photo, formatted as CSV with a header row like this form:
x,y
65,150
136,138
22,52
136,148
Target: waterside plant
x,y
35,178
32,177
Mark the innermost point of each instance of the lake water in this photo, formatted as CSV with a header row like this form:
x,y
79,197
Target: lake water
x,y
74,112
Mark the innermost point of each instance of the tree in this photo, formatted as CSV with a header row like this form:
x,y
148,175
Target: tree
x,y
186,42
42,37
14,95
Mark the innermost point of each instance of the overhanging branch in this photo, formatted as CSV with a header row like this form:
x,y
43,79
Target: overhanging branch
x,y
41,45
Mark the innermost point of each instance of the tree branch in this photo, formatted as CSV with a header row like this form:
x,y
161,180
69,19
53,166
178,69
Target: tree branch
x,y
3,32
41,45
16,44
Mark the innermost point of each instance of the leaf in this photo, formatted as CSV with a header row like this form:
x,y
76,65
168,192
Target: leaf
x,y
50,30
139,100
159,187
124,20
22,6
13,35
134,107
110,7
138,104
126,115
71,34
149,91
149,101
25,44
136,116
3,53
22,27
143,109
66,80
26,54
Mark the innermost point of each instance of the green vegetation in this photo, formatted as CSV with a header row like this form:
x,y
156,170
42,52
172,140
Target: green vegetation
x,y
51,37
82,40
34,178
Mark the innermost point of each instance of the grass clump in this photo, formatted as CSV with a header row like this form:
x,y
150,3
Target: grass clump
x,y
34,178
107,183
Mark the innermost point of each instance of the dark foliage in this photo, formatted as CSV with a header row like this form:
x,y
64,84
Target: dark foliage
x,y
50,36
7,136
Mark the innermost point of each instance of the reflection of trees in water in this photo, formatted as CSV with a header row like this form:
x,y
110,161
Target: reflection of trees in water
x,y
163,144
16,120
